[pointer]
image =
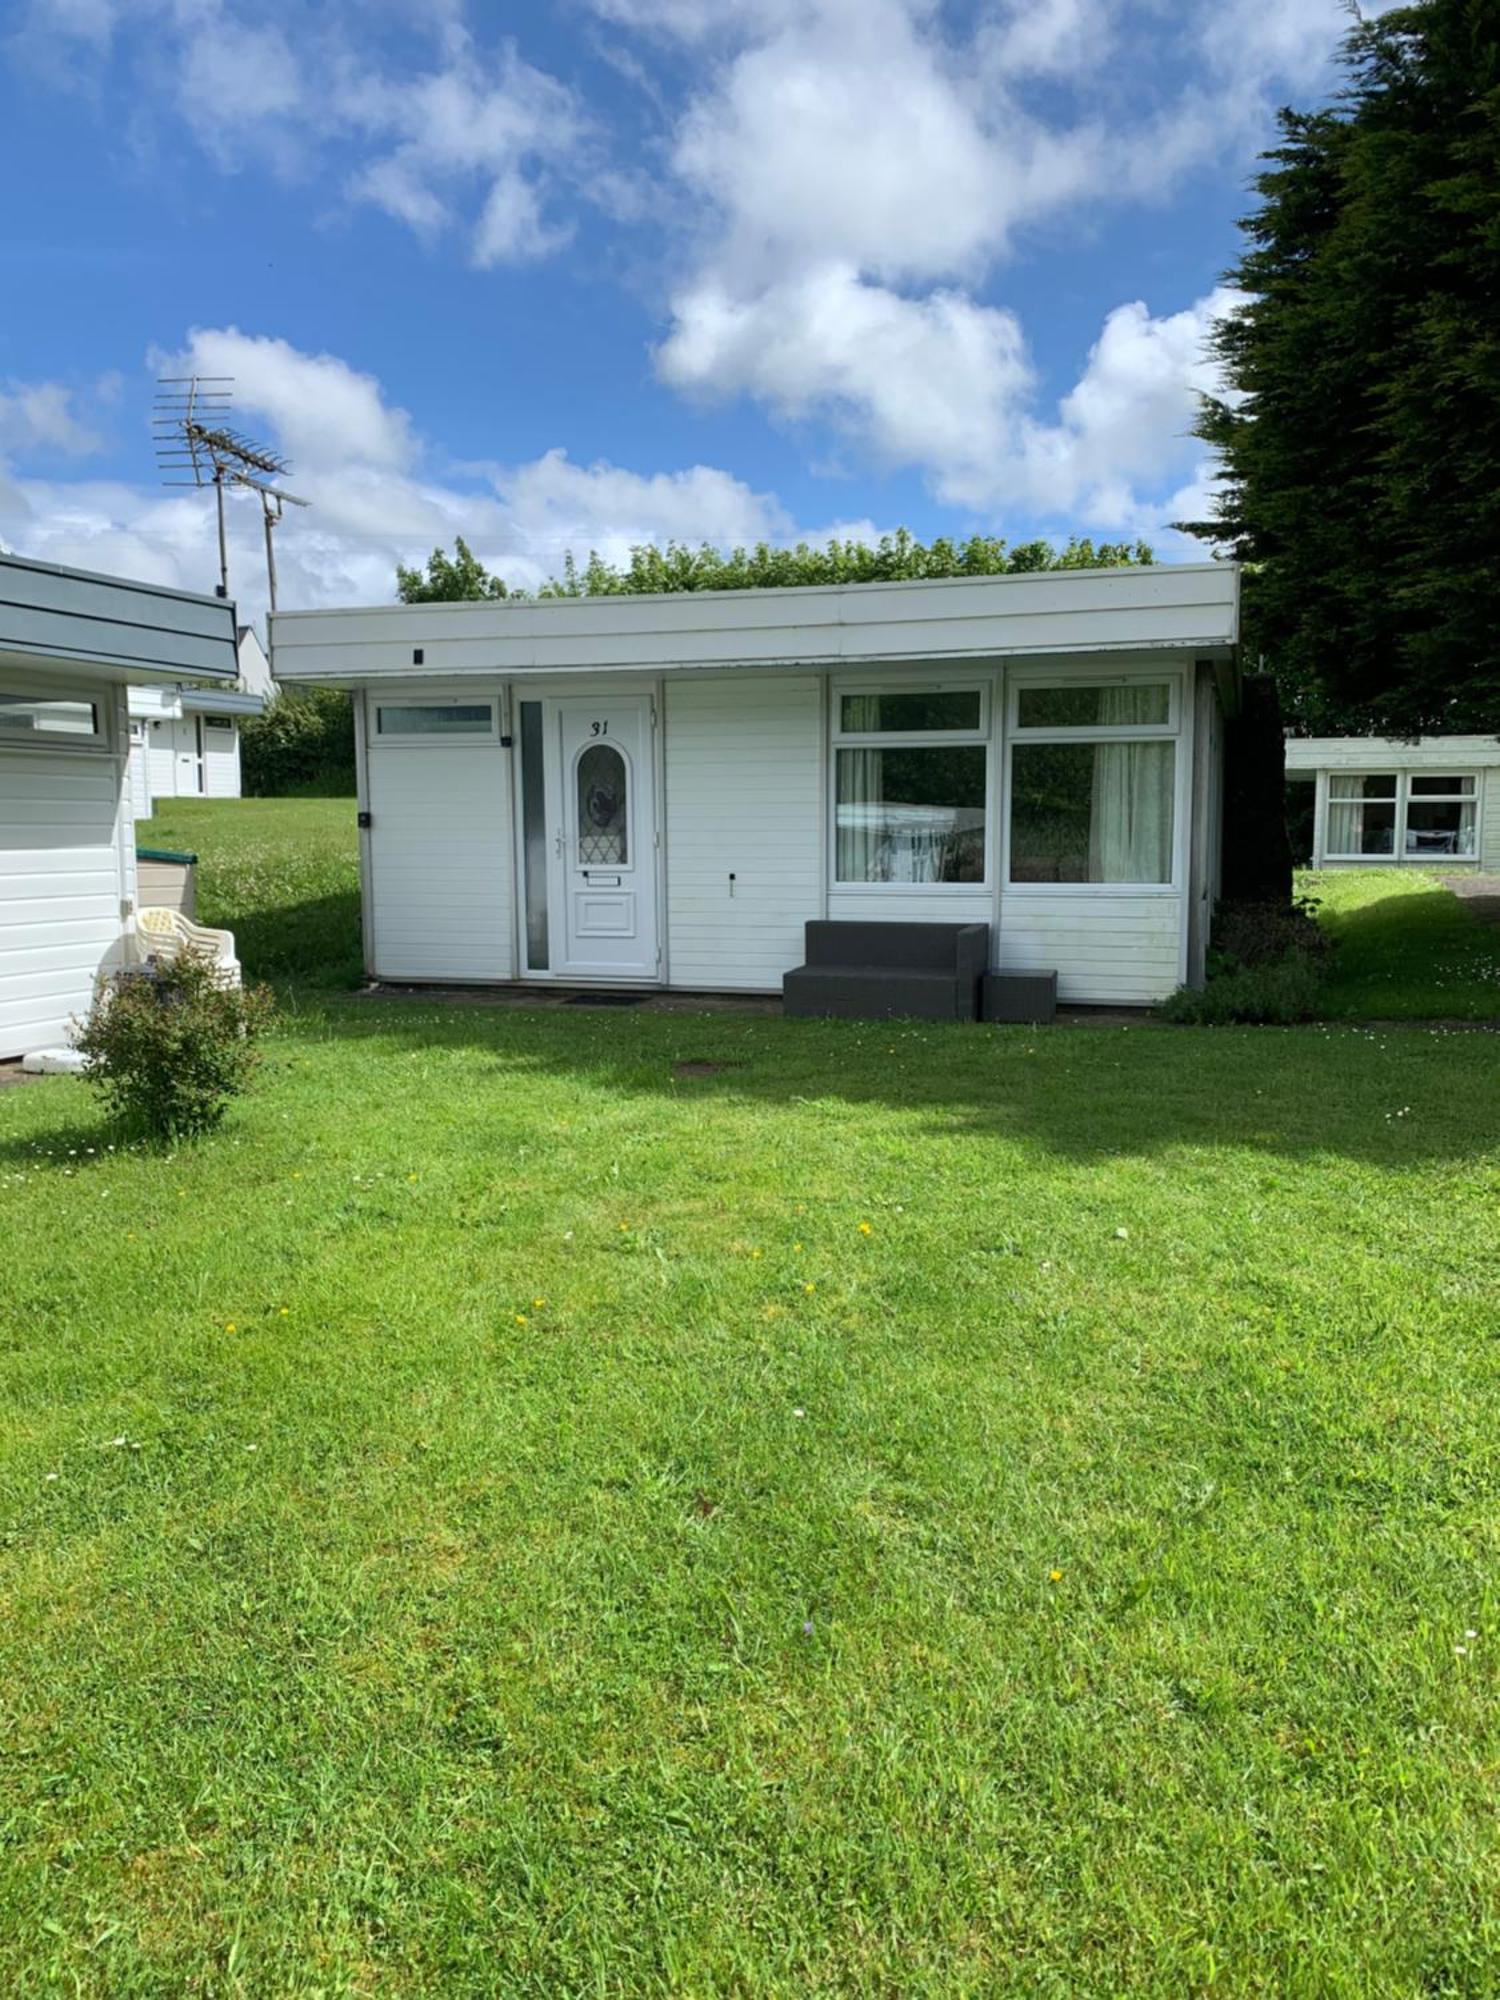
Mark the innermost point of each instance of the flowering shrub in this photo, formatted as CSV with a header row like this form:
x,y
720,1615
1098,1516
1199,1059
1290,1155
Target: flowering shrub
x,y
168,1046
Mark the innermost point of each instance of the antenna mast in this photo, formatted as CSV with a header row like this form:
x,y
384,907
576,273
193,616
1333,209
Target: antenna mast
x,y
196,447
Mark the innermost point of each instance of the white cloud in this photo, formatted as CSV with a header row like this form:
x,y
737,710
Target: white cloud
x,y
495,129
476,140
1129,417
928,381
853,134
39,416
946,385
237,81
323,412
374,500
860,168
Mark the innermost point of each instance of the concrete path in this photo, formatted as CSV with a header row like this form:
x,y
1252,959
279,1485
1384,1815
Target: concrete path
x,y
1480,892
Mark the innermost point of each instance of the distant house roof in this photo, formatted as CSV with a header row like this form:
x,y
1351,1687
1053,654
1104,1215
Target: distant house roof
x,y
1359,753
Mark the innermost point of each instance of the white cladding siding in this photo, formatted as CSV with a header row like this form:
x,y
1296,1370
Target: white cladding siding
x,y
1106,950
440,861
744,796
61,882
846,906
221,760
140,774
161,751
1489,823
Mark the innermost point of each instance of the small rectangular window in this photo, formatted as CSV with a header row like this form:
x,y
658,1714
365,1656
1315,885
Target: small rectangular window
x,y
447,718
1139,705
1427,786
1092,812
33,715
911,815
1362,785
911,712
218,722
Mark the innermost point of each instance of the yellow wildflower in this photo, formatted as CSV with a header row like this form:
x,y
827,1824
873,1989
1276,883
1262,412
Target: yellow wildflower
x,y
1054,1576
809,1288
865,1228
520,1319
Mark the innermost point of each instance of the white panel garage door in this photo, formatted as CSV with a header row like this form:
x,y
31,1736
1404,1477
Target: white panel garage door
x,y
59,890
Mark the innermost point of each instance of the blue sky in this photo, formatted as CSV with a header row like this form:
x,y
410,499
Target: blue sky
x,y
597,271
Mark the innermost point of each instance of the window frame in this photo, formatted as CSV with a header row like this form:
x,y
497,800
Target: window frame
x,y
1399,855
1171,731
97,738
437,739
980,737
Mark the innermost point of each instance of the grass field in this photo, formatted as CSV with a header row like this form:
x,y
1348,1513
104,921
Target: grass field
x,y
902,1512
602,1503
282,874
1406,947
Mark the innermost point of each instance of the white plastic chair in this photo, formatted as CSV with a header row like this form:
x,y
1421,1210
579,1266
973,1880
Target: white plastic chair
x,y
167,935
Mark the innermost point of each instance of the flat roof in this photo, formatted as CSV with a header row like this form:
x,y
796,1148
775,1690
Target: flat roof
x,y
1141,607
110,627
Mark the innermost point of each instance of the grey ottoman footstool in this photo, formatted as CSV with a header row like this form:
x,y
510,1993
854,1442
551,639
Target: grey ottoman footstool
x,y
1018,997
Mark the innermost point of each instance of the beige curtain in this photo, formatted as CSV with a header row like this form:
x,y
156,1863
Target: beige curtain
x,y
860,797
1130,830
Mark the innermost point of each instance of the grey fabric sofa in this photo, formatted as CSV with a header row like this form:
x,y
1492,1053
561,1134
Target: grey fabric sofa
x,y
867,972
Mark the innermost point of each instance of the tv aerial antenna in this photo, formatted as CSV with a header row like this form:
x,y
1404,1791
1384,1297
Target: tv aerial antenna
x,y
196,447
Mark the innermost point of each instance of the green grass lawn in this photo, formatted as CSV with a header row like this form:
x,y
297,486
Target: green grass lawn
x,y
1406,947
282,874
902,1512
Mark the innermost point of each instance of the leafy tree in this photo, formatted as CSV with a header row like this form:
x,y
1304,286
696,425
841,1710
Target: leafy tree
x,y
680,567
1361,434
449,580
303,744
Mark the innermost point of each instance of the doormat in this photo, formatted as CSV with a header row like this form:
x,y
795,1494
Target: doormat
x,y
604,1000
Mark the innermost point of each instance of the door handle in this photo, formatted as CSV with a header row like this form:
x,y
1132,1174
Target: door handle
x,y
560,845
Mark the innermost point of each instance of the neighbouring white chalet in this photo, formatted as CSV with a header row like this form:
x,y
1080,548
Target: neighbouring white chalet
x,y
71,646
661,791
1432,803
185,741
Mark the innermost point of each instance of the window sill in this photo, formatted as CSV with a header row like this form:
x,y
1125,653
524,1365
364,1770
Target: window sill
x,y
1133,889
910,889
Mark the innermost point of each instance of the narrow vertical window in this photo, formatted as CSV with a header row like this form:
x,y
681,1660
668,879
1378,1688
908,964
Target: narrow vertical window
x,y
534,835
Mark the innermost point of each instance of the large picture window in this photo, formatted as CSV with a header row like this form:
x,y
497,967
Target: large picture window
x,y
1388,815
1093,785
911,778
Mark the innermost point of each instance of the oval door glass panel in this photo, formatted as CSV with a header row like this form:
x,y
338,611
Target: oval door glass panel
x,y
603,808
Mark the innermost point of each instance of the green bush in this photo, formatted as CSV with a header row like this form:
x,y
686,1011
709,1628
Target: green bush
x,y
1265,933
1266,965
168,1047
303,743
1276,995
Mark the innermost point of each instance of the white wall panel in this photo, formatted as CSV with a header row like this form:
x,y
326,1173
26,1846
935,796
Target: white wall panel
x,y
61,816
440,861
744,796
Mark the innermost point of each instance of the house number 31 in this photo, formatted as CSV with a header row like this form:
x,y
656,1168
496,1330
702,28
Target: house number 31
x,y
598,729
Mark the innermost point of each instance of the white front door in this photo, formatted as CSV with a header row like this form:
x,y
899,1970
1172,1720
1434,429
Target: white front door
x,y
603,875
188,756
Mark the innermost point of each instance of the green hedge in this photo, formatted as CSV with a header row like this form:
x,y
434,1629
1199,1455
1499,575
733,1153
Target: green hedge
x,y
303,743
